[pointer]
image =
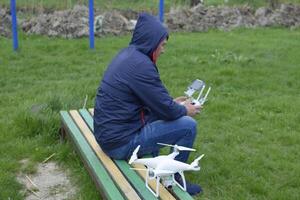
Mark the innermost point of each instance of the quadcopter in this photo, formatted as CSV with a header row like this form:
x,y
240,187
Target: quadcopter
x,y
197,86
165,167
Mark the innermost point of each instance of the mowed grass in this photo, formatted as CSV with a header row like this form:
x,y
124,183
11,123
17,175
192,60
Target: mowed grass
x,y
248,130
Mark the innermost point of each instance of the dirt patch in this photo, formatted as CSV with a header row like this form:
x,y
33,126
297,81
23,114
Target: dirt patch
x,y
50,182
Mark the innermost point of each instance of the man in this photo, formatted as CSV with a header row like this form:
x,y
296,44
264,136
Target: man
x,y
134,108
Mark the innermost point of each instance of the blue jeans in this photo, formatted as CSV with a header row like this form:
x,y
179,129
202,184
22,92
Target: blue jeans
x,y
181,131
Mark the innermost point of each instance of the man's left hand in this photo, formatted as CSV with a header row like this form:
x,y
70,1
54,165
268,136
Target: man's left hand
x,y
180,99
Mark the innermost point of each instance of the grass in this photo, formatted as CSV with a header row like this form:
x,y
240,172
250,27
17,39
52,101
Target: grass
x,y
253,3
139,5
248,128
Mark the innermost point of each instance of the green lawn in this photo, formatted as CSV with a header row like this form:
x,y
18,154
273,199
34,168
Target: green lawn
x,y
249,128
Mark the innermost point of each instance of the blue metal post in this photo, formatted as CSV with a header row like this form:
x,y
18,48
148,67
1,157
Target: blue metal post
x,y
161,10
91,22
14,23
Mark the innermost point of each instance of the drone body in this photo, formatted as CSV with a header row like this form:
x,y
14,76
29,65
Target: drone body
x,y
165,166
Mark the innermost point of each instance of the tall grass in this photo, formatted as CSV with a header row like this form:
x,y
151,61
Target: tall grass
x,y
253,3
248,128
137,5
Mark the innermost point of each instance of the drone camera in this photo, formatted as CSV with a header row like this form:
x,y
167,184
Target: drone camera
x,y
167,182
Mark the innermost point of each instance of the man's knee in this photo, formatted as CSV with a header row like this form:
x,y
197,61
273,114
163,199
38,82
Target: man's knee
x,y
188,127
189,122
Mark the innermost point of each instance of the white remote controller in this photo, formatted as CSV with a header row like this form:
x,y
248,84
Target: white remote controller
x,y
197,85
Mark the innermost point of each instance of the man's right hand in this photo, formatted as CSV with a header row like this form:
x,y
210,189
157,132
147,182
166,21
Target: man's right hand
x,y
192,110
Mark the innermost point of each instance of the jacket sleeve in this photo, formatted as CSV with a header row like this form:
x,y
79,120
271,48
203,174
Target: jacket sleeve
x,y
146,84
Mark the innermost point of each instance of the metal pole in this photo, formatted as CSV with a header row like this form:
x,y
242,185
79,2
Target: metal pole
x,y
14,24
161,10
91,22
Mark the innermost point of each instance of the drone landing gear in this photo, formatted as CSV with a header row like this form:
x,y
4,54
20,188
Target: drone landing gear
x,y
183,181
156,193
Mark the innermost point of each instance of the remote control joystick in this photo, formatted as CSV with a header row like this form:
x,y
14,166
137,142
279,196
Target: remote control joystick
x,y
197,86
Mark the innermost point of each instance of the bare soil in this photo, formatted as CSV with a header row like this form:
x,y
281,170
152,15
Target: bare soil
x,y
50,182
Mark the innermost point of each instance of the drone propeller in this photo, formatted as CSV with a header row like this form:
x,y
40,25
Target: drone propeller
x,y
151,172
136,149
199,158
195,163
155,172
134,155
180,148
138,169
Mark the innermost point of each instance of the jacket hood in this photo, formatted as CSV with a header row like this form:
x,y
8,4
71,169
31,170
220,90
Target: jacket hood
x,y
148,33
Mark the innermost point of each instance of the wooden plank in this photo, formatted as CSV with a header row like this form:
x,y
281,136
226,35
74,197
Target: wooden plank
x,y
180,194
94,166
110,166
164,193
135,179
131,175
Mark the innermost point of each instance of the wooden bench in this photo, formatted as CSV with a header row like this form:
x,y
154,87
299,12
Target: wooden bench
x,y
114,178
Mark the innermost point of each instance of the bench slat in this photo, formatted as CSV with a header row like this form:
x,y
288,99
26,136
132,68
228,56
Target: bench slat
x,y
95,168
176,190
137,181
115,173
163,192
131,175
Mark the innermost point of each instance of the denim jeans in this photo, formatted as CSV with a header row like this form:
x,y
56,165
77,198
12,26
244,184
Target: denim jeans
x,y
181,131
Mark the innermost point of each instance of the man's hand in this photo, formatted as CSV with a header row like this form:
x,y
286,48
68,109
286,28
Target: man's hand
x,y
192,110
181,99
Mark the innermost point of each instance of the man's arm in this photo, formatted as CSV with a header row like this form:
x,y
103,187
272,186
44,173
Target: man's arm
x,y
146,84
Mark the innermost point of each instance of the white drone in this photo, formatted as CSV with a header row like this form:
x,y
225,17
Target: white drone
x,y
165,167
199,86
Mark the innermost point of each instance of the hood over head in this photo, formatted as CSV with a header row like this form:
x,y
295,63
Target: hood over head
x,y
148,33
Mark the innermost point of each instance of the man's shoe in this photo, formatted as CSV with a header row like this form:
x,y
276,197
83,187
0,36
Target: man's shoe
x,y
192,189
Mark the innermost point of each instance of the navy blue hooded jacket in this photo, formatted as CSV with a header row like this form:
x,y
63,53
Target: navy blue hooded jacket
x,y
131,88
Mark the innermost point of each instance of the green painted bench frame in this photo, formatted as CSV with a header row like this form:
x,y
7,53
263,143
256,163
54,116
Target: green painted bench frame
x,y
113,178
